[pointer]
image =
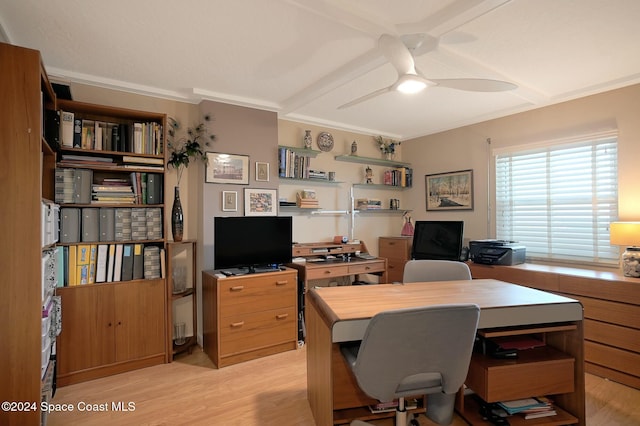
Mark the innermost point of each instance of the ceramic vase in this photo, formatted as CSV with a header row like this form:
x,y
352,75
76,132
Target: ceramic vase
x,y
308,140
177,216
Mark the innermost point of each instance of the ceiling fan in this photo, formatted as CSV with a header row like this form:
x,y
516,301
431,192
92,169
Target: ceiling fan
x,y
411,81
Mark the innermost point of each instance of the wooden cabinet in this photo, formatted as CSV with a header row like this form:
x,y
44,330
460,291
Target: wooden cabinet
x,y
110,328
249,316
27,177
181,273
397,251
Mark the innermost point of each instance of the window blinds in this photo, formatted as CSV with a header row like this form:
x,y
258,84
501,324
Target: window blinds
x,y
558,199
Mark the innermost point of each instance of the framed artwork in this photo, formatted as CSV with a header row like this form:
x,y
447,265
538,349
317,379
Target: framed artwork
x,y
229,201
227,168
449,191
260,202
262,172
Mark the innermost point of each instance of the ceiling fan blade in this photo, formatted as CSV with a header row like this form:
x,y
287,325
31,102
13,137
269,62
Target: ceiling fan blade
x,y
397,54
475,84
366,97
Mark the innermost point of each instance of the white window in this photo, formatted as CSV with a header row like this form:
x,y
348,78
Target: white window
x,y
558,199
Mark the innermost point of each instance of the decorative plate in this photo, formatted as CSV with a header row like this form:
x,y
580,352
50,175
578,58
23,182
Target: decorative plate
x,y
325,141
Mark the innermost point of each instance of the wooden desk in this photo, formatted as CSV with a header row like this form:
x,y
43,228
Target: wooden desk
x,y
338,314
310,270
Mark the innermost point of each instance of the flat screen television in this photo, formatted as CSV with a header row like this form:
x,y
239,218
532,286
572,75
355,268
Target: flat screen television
x,y
440,240
252,243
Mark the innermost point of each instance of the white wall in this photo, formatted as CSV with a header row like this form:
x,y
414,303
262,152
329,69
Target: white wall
x,y
467,148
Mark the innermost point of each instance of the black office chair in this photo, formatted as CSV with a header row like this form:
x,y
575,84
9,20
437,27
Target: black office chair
x,y
416,351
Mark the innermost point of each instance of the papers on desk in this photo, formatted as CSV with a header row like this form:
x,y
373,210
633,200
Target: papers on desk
x,y
299,260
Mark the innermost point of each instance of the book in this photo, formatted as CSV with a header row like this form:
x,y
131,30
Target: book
x,y
77,133
72,265
138,261
111,262
101,263
82,264
539,414
93,257
127,262
142,160
66,128
117,265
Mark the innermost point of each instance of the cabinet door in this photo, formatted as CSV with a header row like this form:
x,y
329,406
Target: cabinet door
x,y
139,319
87,336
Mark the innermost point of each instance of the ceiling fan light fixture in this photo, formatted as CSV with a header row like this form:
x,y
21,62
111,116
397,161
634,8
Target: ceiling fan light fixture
x,y
411,84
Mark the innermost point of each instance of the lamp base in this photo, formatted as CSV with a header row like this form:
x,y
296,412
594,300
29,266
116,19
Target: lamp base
x,y
631,262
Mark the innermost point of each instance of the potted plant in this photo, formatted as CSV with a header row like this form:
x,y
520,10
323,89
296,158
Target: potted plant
x,y
184,149
387,146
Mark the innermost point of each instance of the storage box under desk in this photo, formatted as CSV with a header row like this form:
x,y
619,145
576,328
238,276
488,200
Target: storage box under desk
x,y
539,371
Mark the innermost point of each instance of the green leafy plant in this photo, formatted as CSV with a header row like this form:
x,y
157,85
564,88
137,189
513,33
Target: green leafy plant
x,y
186,148
386,146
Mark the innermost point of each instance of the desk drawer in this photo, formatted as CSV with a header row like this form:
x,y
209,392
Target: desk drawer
x,y
366,268
539,371
259,294
328,271
247,332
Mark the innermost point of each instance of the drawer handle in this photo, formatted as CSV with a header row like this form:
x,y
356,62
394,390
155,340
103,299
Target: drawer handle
x,y
237,324
281,282
366,268
237,288
327,272
282,316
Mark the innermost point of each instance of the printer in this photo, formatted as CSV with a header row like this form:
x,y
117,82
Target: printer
x,y
496,252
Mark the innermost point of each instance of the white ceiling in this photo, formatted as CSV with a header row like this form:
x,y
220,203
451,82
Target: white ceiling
x,y
304,58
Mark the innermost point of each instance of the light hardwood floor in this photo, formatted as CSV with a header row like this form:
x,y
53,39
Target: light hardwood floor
x,y
266,392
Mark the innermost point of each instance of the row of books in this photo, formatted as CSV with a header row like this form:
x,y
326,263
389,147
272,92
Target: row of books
x,y
77,186
529,408
140,138
99,263
293,165
368,204
401,176
92,224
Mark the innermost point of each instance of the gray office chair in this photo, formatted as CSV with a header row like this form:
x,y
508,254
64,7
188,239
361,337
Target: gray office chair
x,y
435,270
416,351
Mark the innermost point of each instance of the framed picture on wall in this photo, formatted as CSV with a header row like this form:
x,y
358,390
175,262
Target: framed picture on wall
x,y
260,202
229,201
262,172
449,191
227,168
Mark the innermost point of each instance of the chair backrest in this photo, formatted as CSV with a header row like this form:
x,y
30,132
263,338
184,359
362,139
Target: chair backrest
x,y
435,270
416,351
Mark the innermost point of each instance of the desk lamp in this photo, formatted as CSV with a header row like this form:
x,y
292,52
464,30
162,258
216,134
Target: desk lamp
x,y
627,234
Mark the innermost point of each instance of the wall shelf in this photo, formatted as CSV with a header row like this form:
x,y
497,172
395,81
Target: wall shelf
x,y
380,186
369,160
382,211
314,181
302,151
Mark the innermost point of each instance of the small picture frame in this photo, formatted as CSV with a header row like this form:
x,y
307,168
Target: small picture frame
x,y
260,202
227,168
229,201
262,172
449,191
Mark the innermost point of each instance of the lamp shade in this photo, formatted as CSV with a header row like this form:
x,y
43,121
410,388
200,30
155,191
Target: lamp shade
x,y
624,233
